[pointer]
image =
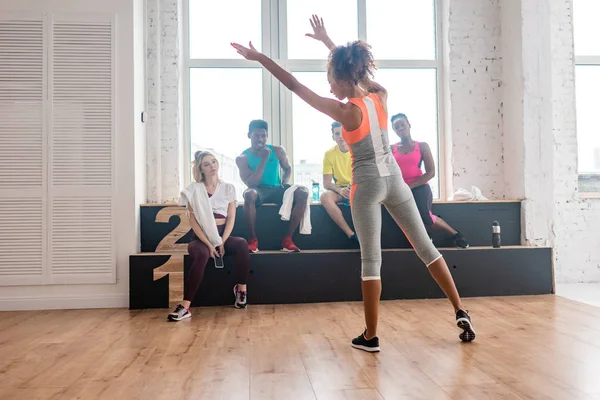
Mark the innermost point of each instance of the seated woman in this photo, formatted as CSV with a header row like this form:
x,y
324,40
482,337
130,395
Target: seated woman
x,y
409,155
212,230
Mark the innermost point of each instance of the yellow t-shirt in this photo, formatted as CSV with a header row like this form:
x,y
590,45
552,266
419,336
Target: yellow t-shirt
x,y
338,164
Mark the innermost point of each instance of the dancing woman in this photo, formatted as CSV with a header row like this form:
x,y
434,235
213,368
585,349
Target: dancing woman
x,y
376,176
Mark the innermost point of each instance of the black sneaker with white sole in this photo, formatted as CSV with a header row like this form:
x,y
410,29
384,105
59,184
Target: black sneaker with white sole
x,y
180,313
460,241
463,321
371,345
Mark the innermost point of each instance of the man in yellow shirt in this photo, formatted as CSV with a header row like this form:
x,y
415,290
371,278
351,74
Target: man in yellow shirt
x,y
337,177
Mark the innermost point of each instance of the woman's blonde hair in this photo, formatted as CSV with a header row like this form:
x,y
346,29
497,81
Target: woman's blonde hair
x,y
197,163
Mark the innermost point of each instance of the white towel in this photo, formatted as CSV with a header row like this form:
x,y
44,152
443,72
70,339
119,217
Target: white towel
x,y
464,195
196,195
286,210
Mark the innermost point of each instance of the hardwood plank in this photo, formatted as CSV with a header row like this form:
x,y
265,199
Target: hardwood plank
x,y
276,358
29,394
92,389
353,394
535,347
543,388
330,365
497,391
157,385
273,386
222,374
396,377
445,365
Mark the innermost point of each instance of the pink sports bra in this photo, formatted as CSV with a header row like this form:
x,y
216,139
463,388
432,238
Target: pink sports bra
x,y
410,163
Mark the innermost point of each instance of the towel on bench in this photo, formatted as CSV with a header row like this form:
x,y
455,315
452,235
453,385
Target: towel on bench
x,y
286,210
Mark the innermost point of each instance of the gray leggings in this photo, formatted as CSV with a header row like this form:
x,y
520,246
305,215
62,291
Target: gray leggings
x,y
396,196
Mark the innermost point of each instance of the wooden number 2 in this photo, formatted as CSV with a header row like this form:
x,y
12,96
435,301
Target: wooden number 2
x,y
169,243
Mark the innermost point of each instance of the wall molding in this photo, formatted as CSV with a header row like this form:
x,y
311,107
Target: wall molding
x,y
64,302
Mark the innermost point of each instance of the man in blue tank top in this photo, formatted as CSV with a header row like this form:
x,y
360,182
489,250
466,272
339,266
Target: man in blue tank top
x,y
260,169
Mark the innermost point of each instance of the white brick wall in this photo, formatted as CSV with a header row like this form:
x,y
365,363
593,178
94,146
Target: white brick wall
x,y
576,221
529,149
553,213
512,92
537,172
473,44
165,104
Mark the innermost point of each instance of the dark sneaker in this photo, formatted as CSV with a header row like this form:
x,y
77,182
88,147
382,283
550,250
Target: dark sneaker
x,y
463,321
180,313
460,241
240,297
371,345
253,245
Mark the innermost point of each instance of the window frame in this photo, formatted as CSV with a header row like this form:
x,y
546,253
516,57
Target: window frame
x,y
277,101
583,61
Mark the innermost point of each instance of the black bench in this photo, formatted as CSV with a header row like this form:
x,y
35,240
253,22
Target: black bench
x,y
328,268
473,219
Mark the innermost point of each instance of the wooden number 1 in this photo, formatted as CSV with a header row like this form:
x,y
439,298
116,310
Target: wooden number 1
x,y
174,268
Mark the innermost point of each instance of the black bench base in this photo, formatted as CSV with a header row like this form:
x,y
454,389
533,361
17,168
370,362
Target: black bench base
x,y
326,276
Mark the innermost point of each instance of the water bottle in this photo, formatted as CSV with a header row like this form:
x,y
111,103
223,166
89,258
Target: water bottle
x,y
496,240
346,201
315,191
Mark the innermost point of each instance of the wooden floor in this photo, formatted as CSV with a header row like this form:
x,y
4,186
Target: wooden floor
x,y
542,347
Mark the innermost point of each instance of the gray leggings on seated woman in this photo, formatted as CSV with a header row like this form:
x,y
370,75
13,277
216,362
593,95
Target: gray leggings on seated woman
x,y
391,191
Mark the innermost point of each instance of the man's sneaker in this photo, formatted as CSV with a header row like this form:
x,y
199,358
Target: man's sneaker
x,y
371,345
460,241
180,313
240,297
288,245
253,245
463,321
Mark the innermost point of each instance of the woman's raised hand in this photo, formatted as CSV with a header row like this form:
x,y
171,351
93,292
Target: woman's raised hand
x,y
319,31
249,53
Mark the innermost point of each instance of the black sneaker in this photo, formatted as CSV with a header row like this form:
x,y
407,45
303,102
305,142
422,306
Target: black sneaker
x,y
460,241
371,345
240,297
463,321
180,313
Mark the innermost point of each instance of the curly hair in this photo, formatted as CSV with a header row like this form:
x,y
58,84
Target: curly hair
x,y
399,116
352,63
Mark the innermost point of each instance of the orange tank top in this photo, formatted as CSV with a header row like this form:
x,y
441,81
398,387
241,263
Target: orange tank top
x,y
369,143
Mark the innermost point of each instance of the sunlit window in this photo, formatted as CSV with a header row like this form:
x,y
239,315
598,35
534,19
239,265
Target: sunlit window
x,y
226,92
587,79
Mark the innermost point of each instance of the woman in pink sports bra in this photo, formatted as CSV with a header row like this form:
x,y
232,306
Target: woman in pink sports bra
x,y
410,155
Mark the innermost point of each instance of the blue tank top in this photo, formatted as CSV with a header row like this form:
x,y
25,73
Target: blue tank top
x,y
271,175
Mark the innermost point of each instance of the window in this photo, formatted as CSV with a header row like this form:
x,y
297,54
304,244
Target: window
x,y
409,19
219,121
226,91
414,92
340,20
587,86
